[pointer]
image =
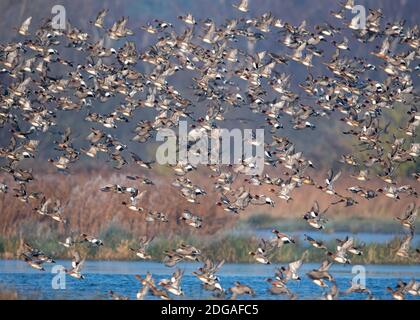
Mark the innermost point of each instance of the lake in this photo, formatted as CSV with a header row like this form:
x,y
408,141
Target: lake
x,y
366,237
102,276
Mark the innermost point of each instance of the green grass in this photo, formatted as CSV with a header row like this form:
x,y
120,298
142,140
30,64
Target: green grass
x,y
231,247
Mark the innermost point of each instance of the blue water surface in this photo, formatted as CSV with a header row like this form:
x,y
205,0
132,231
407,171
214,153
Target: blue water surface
x,y
118,276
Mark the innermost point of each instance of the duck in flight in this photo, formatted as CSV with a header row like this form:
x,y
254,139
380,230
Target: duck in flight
x,y
76,266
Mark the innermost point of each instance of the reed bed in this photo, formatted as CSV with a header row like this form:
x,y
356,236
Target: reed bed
x,y
8,294
88,210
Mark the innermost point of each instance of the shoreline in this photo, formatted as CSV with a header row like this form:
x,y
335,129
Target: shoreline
x,y
231,248
117,260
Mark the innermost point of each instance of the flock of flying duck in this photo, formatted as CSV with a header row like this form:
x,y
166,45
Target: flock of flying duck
x,y
30,102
